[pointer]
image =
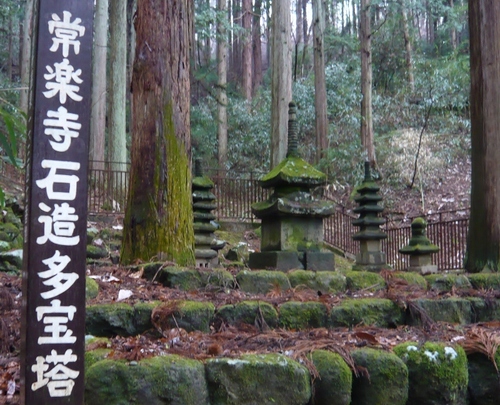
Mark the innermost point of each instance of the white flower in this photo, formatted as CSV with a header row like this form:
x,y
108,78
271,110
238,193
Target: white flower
x,y
412,348
449,351
431,355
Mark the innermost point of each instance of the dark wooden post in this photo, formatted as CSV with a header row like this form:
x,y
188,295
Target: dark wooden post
x,y
53,319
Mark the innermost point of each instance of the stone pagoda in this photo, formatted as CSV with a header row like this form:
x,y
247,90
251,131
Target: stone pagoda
x,y
206,245
420,249
370,256
292,217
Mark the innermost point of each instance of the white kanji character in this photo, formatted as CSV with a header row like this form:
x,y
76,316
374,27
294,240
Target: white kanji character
x,y
57,279
59,226
62,128
59,380
56,325
66,33
54,178
63,74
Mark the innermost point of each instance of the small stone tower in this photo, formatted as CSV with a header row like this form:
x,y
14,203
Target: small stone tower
x,y
206,245
370,257
420,249
292,217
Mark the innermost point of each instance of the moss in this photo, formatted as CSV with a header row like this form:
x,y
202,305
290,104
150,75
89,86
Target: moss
x,y
249,312
387,382
182,278
96,252
485,281
484,387
445,282
203,182
110,319
364,280
484,310
93,356
193,315
218,278
262,281
367,311
142,315
324,281
452,310
293,170
437,372
91,288
413,279
334,385
302,315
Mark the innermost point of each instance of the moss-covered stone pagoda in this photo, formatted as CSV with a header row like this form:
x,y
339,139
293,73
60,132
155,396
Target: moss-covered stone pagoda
x,y
292,217
370,256
420,249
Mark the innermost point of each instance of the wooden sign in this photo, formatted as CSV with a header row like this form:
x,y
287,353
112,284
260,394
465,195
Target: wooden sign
x,y
53,320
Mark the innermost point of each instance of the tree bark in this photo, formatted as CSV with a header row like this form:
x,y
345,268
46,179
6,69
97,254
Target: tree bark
x,y
98,113
366,83
319,79
246,57
281,79
117,150
26,56
483,246
257,47
221,87
408,47
158,221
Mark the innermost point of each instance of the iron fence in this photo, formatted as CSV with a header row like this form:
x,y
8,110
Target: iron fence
x,y
235,193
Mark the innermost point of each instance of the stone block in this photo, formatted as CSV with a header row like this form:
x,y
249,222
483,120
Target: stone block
x,y
302,315
275,260
334,385
319,261
262,281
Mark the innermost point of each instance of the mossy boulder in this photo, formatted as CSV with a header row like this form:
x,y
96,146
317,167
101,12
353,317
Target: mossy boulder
x,y
484,310
159,380
437,372
364,280
258,379
302,315
93,356
13,257
334,385
218,278
188,315
452,310
367,311
91,288
445,282
142,315
323,281
249,312
4,246
96,252
485,281
484,382
12,233
387,383
110,320
262,281
413,279
182,278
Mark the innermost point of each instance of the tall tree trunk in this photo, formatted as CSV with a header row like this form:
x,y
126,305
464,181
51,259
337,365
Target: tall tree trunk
x,y
319,79
431,33
281,79
117,150
236,44
453,30
257,47
247,50
366,83
305,37
10,50
408,48
221,87
354,20
483,246
26,56
98,113
158,221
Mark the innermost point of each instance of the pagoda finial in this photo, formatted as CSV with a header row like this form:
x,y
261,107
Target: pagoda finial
x,y
292,131
198,168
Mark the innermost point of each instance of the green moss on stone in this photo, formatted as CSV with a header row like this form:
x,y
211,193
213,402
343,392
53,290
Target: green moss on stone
x,y
295,171
324,281
484,310
110,320
445,282
364,280
258,379
91,288
437,372
484,385
94,356
262,281
334,385
249,312
413,279
96,252
367,311
485,281
142,315
182,278
302,315
388,379
452,310
218,278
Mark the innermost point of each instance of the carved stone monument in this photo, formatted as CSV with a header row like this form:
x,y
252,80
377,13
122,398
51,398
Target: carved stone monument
x,y
292,217
370,256
420,249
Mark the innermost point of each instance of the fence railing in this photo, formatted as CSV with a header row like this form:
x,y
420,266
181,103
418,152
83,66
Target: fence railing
x,y
236,191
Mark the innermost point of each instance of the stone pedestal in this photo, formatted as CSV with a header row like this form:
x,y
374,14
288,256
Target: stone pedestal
x,y
206,245
370,256
420,249
292,217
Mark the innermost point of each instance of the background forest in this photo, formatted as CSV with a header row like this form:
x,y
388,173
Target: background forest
x,y
420,83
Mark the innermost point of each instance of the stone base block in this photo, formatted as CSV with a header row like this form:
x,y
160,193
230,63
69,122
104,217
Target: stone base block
x,y
276,260
424,270
370,261
319,261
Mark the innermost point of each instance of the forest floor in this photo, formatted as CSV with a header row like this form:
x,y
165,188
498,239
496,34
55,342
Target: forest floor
x,y
448,192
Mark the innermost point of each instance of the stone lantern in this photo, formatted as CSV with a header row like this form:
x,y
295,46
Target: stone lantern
x,y
206,245
420,249
292,217
370,257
